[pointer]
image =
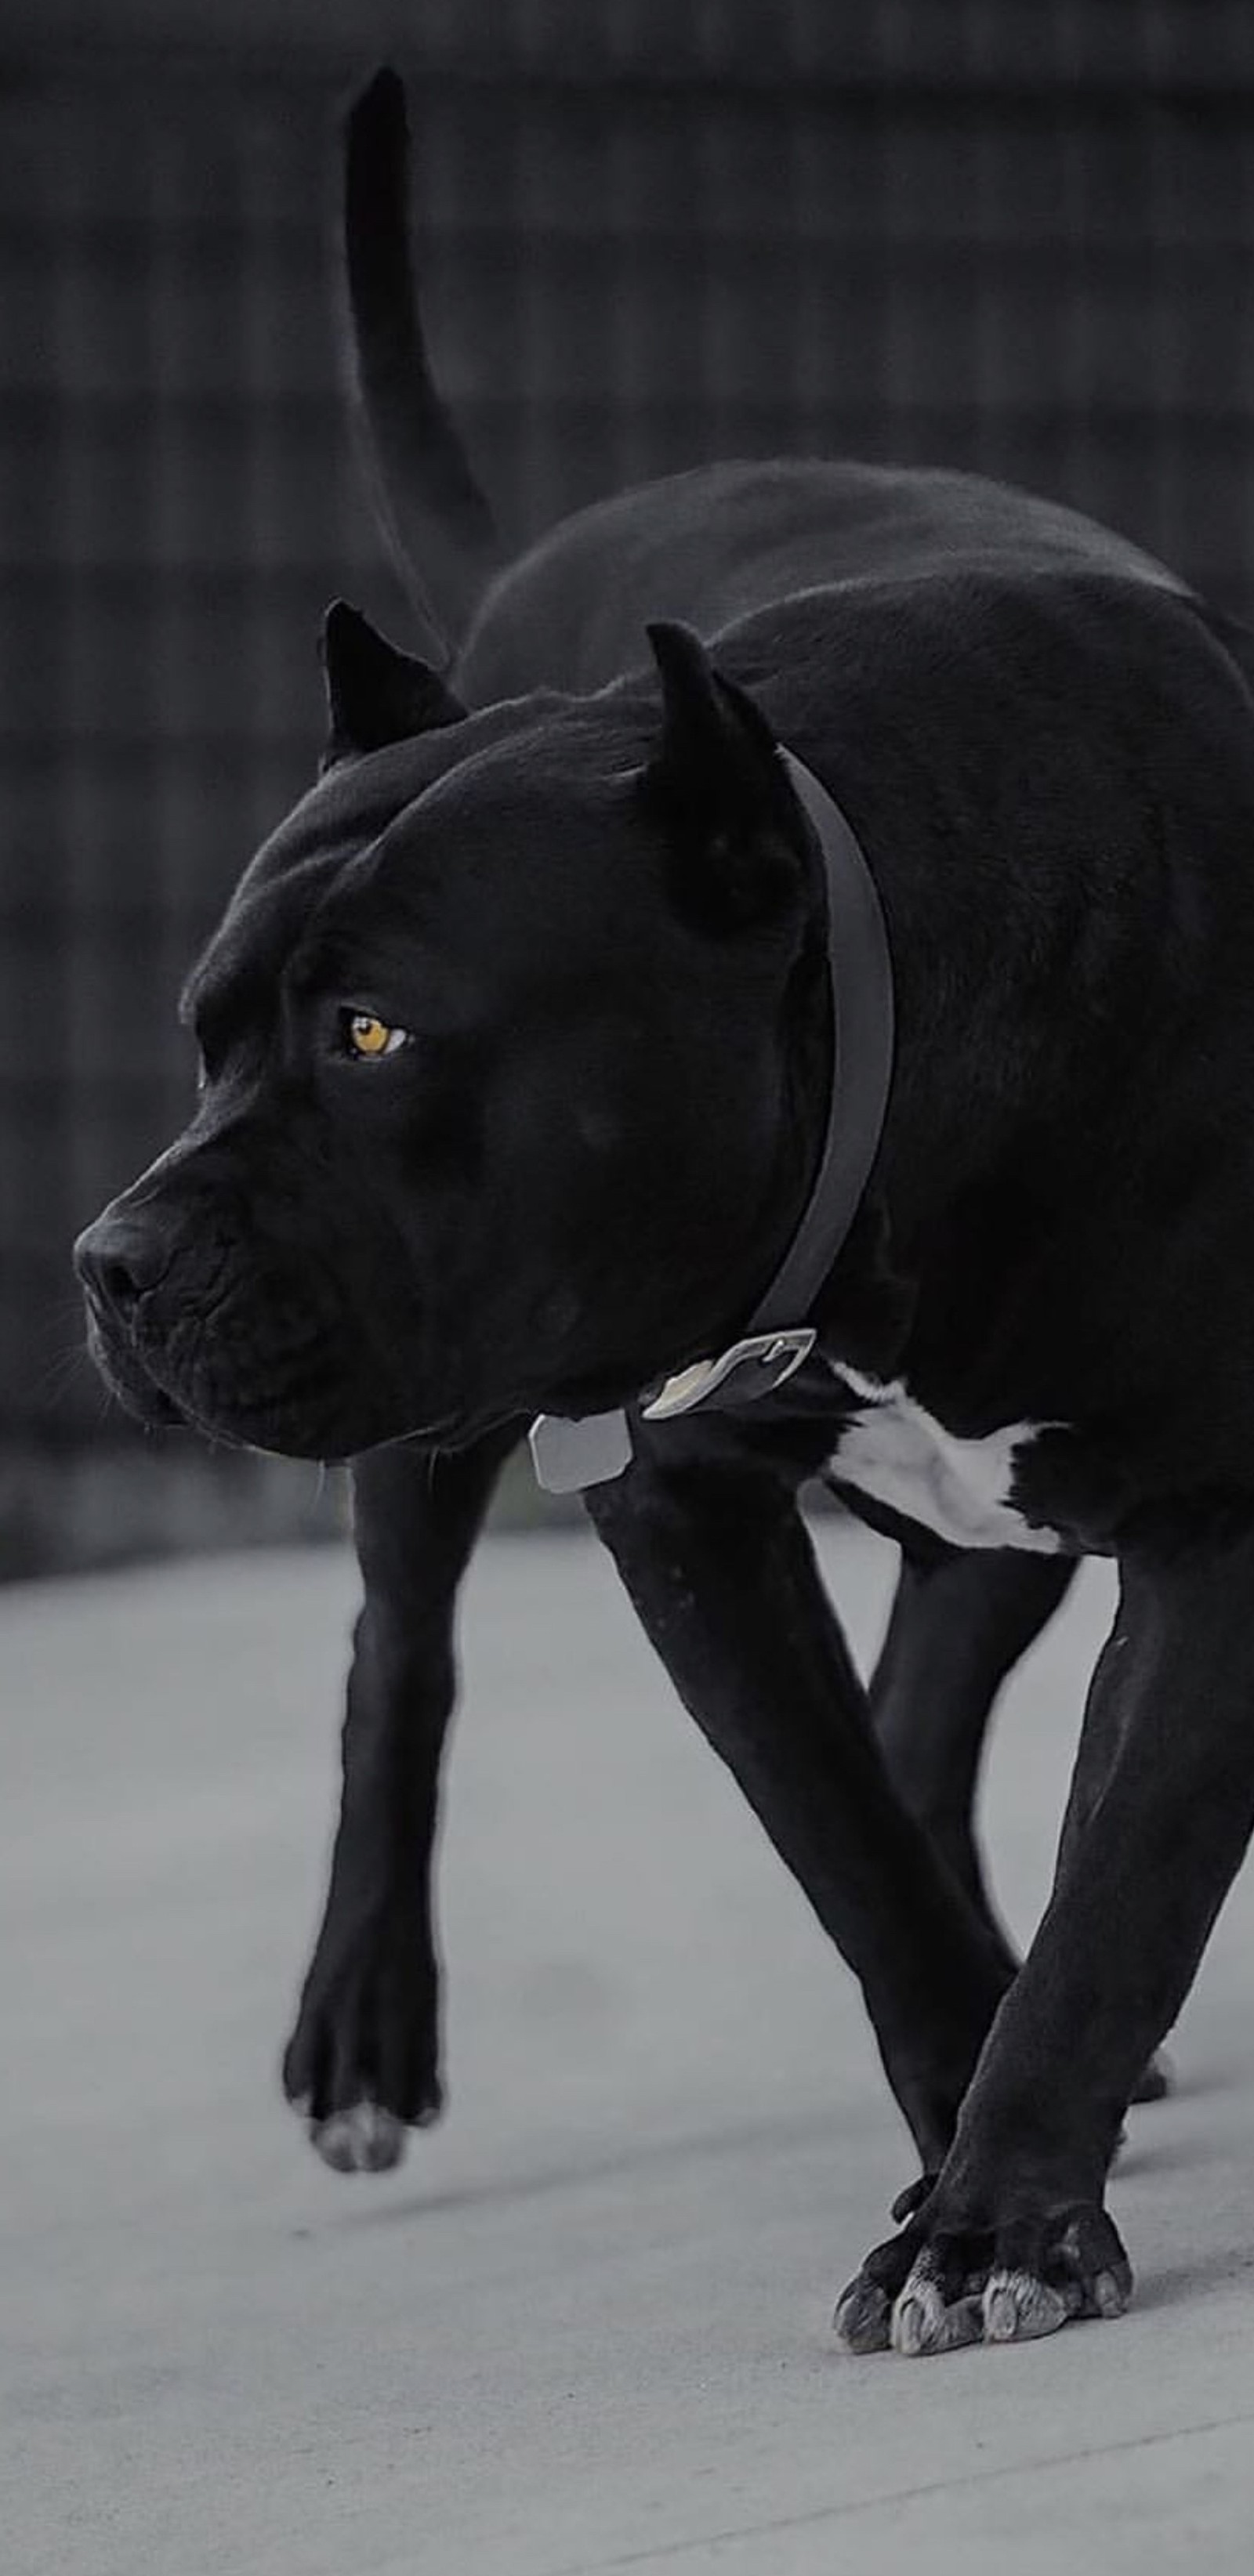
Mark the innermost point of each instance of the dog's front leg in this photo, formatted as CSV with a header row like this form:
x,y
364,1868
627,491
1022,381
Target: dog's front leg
x,y
363,2061
720,1568
1013,2239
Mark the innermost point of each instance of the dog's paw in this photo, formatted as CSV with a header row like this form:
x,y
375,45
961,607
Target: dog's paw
x,y
934,2288
362,2064
365,2139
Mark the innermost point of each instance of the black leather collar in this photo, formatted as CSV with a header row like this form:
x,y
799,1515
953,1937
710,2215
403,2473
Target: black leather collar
x,y
570,1455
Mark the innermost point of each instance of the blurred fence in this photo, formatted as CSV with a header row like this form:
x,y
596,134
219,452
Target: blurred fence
x,y
1016,236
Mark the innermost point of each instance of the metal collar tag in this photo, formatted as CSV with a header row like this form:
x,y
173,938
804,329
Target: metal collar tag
x,y
567,1456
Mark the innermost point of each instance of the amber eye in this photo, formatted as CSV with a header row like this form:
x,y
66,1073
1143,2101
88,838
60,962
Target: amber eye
x,y
367,1037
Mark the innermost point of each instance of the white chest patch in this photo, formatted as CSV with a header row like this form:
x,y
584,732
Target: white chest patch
x,y
898,1454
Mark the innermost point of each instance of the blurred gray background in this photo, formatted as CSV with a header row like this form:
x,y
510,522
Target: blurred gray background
x,y
1013,235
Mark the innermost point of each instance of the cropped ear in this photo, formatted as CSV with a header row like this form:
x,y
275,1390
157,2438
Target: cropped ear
x,y
375,694
718,784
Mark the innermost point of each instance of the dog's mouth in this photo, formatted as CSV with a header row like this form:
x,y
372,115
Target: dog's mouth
x,y
212,1374
127,1380
307,1420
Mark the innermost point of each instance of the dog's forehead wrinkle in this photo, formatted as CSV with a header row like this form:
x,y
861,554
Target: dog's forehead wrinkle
x,y
340,817
276,899
524,804
568,752
241,966
330,842
364,960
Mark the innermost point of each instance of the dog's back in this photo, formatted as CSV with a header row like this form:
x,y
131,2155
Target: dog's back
x,y
713,545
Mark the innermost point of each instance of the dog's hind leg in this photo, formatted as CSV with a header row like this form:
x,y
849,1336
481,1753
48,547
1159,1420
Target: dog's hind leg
x,y
721,1571
363,2061
960,1619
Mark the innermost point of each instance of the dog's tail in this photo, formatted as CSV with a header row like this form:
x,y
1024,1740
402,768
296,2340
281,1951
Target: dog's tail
x,y
436,521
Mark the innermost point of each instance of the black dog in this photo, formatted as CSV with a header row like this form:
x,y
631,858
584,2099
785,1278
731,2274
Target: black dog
x,y
544,1046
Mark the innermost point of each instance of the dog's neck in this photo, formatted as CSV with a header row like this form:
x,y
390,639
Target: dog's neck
x,y
780,1335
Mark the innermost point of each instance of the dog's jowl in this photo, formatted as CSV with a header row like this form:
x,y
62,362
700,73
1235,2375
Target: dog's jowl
x,y
784,988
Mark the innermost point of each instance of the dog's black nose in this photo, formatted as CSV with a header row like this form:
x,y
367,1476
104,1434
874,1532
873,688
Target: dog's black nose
x,y
119,1257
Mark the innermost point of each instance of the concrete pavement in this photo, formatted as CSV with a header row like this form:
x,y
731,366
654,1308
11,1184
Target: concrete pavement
x,y
586,2326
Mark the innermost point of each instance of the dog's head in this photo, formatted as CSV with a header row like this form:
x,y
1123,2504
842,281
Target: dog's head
x,y
511,1070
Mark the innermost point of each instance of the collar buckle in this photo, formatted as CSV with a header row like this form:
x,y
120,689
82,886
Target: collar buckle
x,y
749,1369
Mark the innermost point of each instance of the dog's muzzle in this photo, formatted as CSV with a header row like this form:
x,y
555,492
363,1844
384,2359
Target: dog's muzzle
x,y
119,1260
